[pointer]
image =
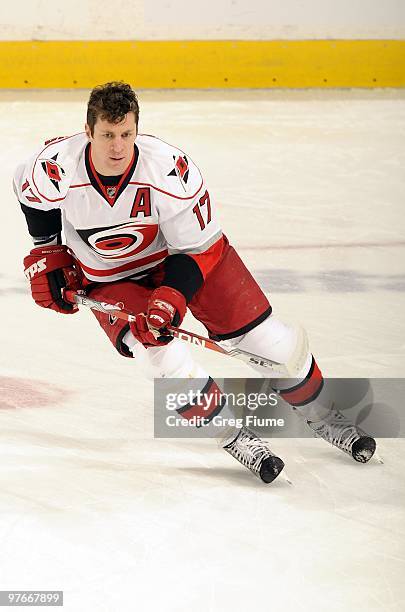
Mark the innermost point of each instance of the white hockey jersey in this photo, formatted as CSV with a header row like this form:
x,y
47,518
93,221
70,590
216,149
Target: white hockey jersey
x,y
160,207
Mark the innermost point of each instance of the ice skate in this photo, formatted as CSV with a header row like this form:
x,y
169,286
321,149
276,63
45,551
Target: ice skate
x,y
253,453
340,431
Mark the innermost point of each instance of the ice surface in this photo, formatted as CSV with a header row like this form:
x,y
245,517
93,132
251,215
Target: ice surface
x,y
310,189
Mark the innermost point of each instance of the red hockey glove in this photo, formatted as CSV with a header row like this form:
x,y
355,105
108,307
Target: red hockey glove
x,y
166,306
49,270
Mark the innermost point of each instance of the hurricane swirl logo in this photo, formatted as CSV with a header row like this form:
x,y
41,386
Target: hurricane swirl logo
x,y
119,241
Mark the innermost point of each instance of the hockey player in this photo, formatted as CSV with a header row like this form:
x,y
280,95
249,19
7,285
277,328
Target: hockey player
x,y
141,230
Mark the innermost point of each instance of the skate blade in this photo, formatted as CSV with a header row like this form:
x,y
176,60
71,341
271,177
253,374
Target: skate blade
x,y
286,478
379,458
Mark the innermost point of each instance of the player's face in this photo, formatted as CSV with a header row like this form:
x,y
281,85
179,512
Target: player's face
x,y
112,145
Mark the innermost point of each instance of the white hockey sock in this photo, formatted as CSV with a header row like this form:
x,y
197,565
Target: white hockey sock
x,y
174,363
319,408
171,360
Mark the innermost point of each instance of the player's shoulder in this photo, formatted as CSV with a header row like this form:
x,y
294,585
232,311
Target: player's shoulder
x,y
167,168
56,163
51,169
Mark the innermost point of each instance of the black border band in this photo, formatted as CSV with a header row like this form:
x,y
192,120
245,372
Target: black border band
x,y
243,330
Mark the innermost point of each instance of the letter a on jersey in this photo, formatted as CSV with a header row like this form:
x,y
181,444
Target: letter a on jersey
x,y
141,203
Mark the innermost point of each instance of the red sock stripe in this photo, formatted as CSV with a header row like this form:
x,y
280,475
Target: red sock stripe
x,y
209,404
307,390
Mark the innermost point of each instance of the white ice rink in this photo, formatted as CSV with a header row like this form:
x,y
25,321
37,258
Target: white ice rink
x,y
310,189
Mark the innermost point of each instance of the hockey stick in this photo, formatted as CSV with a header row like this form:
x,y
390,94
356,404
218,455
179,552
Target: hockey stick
x,y
277,369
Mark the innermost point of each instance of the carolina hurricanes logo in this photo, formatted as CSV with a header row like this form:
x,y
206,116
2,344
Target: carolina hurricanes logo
x,y
180,169
119,241
53,170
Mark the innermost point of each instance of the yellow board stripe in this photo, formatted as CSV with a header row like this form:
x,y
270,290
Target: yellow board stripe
x,y
203,64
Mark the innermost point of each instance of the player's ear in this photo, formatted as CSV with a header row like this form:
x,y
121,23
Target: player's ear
x,y
88,131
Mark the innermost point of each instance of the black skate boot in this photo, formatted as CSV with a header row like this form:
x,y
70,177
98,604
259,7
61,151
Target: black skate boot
x,y
340,431
254,454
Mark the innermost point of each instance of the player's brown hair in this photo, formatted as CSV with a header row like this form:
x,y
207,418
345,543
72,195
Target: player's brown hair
x,y
111,102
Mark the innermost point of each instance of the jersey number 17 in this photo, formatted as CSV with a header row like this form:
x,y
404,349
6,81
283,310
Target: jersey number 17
x,y
197,210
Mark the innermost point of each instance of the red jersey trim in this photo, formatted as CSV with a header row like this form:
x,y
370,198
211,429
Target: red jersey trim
x,y
132,265
35,163
167,192
147,185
